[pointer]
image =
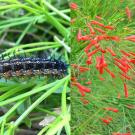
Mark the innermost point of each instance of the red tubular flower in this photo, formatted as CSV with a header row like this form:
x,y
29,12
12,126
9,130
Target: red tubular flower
x,y
84,101
112,109
72,21
130,38
73,79
124,69
101,78
98,65
100,30
125,76
132,61
133,40
111,51
109,27
125,90
89,61
126,62
83,38
89,82
94,41
97,46
123,63
73,6
88,47
99,17
100,37
82,92
101,64
80,68
92,53
114,38
124,58
106,121
112,74
125,53
102,50
91,29
83,69
97,23
125,66
82,89
109,118
79,35
128,13
132,53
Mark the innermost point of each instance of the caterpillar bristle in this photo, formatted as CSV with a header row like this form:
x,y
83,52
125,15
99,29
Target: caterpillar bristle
x,y
31,66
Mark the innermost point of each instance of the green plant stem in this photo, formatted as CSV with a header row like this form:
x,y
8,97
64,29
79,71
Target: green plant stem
x,y
68,49
38,101
23,33
2,127
64,108
63,98
57,120
46,111
55,45
29,93
12,109
56,10
59,125
14,91
52,20
43,130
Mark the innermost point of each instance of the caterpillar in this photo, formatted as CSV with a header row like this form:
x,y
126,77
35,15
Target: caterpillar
x,y
27,66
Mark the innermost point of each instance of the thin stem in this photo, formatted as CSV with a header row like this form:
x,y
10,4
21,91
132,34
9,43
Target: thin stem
x,y
56,11
29,93
7,114
39,100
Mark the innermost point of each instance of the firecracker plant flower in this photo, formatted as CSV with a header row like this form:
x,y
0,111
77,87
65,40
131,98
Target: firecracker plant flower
x,y
103,42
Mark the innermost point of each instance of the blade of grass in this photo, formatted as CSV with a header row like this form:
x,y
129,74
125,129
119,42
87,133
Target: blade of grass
x,y
39,100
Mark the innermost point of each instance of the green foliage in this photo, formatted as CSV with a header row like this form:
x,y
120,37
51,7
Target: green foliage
x,y
30,27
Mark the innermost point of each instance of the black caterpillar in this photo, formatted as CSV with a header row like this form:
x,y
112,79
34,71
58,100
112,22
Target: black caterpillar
x,y
32,66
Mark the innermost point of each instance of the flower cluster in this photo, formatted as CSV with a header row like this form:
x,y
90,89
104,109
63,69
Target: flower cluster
x,y
82,89
98,32
95,39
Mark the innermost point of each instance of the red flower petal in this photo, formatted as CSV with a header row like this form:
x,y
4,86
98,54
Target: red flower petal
x,y
109,27
100,30
97,23
99,17
92,53
112,109
128,13
111,73
89,61
111,51
106,121
91,29
73,5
